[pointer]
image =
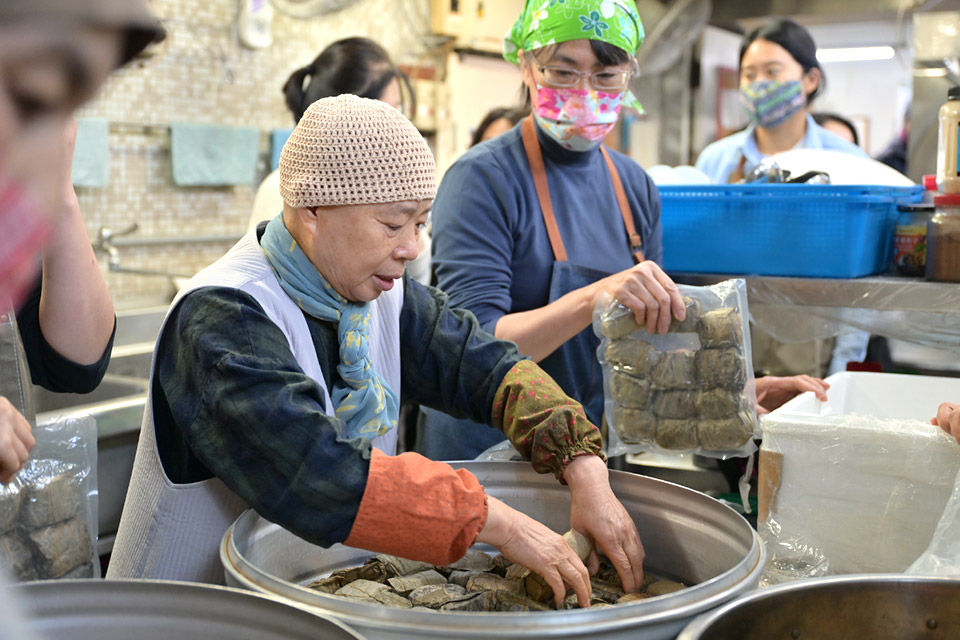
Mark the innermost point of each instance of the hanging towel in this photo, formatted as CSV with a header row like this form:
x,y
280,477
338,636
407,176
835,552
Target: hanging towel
x,y
278,138
213,155
91,155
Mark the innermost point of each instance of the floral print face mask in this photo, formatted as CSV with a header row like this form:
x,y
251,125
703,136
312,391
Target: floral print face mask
x,y
578,119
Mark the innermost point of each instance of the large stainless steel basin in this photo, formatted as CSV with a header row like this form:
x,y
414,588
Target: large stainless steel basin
x,y
158,610
687,535
111,389
139,325
852,607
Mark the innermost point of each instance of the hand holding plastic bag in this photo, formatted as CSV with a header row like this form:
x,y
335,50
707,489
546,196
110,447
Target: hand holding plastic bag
x,y
948,419
942,557
774,391
688,390
16,440
48,514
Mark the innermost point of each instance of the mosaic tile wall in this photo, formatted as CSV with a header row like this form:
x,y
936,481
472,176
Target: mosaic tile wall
x,y
203,74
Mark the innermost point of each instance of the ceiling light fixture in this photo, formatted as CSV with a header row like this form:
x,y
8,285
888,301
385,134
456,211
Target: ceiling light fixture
x,y
855,54
932,72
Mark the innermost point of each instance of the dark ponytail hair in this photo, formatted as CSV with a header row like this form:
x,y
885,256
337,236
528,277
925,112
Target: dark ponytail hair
x,y
796,40
824,117
353,65
513,115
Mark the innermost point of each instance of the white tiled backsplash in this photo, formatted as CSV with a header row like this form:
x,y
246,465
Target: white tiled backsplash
x,y
203,74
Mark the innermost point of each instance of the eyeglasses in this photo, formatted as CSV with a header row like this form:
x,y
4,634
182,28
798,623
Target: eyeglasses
x,y
603,80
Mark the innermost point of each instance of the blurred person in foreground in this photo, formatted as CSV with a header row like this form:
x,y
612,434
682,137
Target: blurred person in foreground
x,y
57,327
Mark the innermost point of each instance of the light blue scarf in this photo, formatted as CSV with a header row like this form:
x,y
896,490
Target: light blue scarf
x,y
363,400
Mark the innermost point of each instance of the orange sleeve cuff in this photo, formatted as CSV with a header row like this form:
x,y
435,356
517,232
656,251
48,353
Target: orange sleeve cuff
x,y
418,509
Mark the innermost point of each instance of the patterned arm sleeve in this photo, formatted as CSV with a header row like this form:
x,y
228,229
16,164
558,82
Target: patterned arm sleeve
x,y
542,422
452,365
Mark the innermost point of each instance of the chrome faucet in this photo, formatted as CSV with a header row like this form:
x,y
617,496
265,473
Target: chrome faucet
x,y
104,244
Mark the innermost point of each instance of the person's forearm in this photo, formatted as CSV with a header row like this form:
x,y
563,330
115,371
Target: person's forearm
x,y
76,312
584,472
540,332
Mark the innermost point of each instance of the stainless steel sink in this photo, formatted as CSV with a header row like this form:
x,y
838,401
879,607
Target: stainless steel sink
x,y
117,405
111,389
139,325
131,361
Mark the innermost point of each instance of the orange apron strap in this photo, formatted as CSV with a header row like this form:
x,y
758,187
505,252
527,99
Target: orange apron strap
x,y
535,157
636,242
532,146
738,174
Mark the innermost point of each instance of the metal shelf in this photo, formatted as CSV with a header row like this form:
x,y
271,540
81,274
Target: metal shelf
x,y
878,293
798,309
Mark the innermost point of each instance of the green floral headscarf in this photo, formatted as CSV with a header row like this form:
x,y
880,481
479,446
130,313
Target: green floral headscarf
x,y
546,22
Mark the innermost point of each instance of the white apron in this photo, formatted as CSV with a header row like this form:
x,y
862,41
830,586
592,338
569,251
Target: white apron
x,y
173,531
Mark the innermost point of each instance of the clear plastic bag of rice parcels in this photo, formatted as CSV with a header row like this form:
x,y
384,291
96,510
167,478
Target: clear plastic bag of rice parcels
x,y
690,390
48,513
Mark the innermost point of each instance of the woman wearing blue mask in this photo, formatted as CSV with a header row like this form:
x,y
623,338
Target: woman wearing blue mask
x,y
779,78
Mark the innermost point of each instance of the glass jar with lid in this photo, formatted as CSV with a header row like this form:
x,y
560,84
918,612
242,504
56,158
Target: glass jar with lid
x,y
910,238
943,240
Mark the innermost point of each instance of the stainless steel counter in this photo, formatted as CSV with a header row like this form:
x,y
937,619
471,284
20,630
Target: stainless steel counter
x,y
795,309
879,292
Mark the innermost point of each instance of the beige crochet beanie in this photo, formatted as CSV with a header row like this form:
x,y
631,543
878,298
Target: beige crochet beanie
x,y
348,150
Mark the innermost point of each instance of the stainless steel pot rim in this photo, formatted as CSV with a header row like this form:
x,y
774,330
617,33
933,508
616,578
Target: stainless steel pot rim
x,y
121,584
132,585
371,616
702,622
109,593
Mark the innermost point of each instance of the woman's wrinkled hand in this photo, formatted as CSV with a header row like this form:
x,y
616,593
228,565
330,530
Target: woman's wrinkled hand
x,y
597,513
16,440
523,540
649,292
773,391
948,419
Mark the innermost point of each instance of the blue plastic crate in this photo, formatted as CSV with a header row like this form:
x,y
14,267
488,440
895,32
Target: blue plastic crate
x,y
781,229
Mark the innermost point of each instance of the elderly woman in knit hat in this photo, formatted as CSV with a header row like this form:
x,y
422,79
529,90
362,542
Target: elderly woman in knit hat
x,y
280,368
54,55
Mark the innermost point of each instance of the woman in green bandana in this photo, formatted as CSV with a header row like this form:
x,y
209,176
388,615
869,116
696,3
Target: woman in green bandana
x,y
532,226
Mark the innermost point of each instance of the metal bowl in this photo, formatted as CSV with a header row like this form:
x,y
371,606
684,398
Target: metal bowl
x,y
687,536
851,607
163,610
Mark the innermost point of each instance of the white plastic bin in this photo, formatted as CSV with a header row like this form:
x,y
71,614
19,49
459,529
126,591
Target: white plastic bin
x,y
856,484
881,395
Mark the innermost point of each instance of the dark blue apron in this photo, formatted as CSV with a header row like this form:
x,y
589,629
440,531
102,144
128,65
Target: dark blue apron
x,y
574,365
